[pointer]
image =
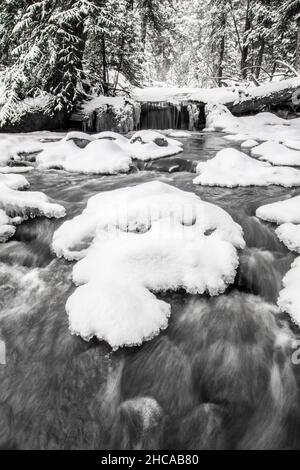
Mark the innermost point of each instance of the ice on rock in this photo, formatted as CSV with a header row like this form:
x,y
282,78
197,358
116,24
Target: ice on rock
x,y
289,234
99,157
232,168
289,297
249,143
281,212
132,242
277,154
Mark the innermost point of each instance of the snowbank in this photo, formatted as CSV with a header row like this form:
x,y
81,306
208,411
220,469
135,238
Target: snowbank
x,y
289,297
249,143
232,168
277,154
133,241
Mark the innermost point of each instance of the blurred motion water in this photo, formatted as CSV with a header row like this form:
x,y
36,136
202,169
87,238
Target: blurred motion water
x,y
219,377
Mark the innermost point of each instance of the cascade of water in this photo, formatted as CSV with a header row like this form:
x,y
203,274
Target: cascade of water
x,y
164,115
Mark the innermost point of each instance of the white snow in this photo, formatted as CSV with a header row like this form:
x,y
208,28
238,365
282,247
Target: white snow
x,y
249,143
287,213
222,95
7,228
179,134
277,154
138,240
17,206
105,152
289,297
14,181
262,127
15,169
289,234
232,168
99,156
281,212
13,144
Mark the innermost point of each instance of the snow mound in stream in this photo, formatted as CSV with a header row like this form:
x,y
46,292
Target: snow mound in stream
x,y
99,156
287,213
134,241
289,297
281,212
17,206
13,181
232,168
277,154
289,234
105,152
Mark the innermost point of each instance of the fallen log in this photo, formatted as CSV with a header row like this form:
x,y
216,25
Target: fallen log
x,y
268,96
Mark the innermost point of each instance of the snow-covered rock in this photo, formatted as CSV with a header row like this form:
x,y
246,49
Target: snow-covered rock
x,y
133,241
7,228
15,169
261,127
289,297
281,212
99,156
289,234
11,145
149,145
238,138
13,181
249,143
287,213
233,168
277,154
179,134
17,206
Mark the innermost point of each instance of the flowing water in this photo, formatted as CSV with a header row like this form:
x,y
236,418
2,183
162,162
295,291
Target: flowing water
x,y
221,375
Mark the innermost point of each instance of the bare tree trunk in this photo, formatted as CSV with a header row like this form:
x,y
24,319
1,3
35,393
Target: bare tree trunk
x,y
297,61
245,46
104,67
260,57
222,47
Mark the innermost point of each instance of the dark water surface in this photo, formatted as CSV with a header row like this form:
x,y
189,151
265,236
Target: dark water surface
x,y
220,376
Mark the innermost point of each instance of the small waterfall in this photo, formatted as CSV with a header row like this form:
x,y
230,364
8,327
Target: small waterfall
x,y
164,115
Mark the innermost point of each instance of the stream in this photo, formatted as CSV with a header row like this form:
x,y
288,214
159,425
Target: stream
x,y
220,376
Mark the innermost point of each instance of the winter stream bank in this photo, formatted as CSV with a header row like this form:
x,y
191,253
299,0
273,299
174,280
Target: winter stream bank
x,y
220,376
